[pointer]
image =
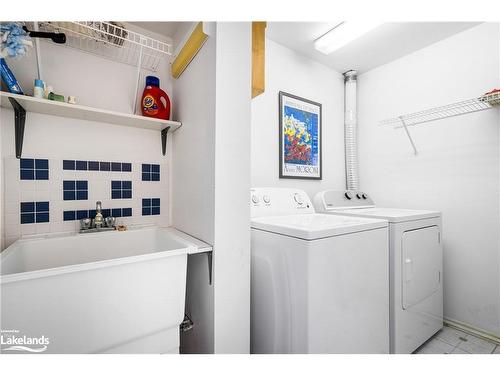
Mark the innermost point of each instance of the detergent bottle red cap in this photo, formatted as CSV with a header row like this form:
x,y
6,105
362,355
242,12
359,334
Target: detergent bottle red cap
x,y
155,101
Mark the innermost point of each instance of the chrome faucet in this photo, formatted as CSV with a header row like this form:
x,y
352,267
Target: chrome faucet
x,y
99,220
98,224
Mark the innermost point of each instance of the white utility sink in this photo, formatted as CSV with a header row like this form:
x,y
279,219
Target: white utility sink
x,y
110,292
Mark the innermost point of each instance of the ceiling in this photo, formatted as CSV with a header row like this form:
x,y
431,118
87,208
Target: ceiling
x,y
175,31
167,29
383,44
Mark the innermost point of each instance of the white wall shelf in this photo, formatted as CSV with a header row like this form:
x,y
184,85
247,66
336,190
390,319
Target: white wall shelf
x,y
23,104
481,103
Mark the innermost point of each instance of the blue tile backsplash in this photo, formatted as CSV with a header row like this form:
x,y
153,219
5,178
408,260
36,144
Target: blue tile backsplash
x,y
34,212
75,190
105,166
82,214
81,165
126,167
150,206
50,195
150,172
93,165
34,169
121,189
69,164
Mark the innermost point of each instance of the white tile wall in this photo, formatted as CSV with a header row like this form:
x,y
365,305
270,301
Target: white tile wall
x,y
99,188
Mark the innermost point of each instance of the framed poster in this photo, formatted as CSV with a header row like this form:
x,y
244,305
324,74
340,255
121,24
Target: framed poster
x,y
300,137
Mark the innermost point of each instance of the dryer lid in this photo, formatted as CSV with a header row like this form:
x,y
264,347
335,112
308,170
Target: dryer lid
x,y
357,203
316,226
393,215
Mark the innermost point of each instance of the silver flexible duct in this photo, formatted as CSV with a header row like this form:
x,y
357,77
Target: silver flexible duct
x,y
350,125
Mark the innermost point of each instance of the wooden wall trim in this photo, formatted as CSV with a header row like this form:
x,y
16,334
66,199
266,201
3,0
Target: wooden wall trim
x,y
258,58
189,50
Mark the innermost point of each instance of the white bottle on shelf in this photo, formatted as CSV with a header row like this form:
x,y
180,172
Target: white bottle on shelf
x,y
38,89
48,90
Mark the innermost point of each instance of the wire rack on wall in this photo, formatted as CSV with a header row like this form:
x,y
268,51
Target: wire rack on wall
x,y
482,103
113,41
456,109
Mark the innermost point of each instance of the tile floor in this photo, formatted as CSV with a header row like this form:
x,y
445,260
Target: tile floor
x,y
453,341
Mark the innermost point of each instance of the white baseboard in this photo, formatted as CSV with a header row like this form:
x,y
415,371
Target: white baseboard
x,y
474,331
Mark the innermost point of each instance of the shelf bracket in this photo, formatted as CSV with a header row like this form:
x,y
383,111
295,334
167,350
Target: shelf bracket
x,y
409,135
19,121
209,256
164,133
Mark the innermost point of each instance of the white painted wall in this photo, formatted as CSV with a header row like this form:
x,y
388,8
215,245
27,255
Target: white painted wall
x,y
194,147
211,181
193,185
457,169
232,186
288,71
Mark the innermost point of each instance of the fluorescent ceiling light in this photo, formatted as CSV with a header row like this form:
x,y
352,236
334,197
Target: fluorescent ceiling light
x,y
342,34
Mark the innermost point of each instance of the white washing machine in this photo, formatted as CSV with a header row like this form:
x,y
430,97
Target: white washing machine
x,y
319,283
416,261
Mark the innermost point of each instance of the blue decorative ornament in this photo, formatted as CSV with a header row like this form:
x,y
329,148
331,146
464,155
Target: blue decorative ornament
x,y
14,41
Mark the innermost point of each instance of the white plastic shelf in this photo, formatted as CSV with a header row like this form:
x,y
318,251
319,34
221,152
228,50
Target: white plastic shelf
x,y
456,109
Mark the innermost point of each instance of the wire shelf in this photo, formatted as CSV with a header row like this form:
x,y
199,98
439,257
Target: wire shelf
x,y
113,41
456,109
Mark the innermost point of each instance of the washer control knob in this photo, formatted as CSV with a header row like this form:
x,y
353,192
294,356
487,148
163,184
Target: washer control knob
x,y
298,198
266,199
348,195
358,195
255,199
364,196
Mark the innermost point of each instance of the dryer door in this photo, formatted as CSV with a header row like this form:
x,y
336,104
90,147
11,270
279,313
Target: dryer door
x,y
421,264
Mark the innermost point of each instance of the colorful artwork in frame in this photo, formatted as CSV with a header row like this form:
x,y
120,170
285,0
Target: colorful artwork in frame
x,y
300,137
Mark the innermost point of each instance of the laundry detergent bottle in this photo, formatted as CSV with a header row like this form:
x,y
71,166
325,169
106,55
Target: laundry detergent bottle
x,y
152,103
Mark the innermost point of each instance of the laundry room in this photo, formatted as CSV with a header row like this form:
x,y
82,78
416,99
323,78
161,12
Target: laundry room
x,y
249,186
403,122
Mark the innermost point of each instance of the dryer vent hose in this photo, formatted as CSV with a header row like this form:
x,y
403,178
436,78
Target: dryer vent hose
x,y
350,128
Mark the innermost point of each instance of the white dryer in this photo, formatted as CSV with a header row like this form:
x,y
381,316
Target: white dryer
x,y
319,283
416,254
